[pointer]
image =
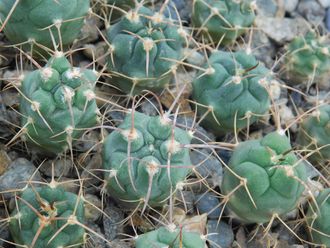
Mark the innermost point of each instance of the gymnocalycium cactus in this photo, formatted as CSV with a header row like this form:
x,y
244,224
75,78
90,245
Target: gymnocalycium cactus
x,y
314,134
46,217
271,179
145,159
318,219
145,49
32,19
233,89
223,20
58,104
308,60
170,237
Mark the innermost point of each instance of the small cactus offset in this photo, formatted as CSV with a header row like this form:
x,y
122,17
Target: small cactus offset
x,y
314,135
318,219
46,217
145,50
170,237
265,179
223,20
233,89
35,19
58,104
308,60
145,159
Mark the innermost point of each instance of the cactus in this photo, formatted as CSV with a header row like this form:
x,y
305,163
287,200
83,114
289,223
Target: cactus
x,y
265,179
308,60
233,87
145,49
57,104
314,134
46,216
170,237
318,219
223,20
145,159
32,19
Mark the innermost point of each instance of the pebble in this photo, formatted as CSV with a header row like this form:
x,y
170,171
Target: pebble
x,y
88,142
290,5
93,207
208,203
62,167
327,19
312,11
186,199
17,175
219,234
111,222
324,3
266,7
4,161
150,107
184,8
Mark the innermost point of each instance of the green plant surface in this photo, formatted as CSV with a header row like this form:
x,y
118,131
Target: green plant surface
x,y
274,179
318,219
42,217
35,19
223,20
146,48
233,89
57,104
145,160
165,237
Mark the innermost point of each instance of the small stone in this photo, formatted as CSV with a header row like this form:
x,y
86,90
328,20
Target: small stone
x,y
266,7
327,19
186,199
120,244
19,172
61,167
312,11
290,5
111,222
150,107
94,238
4,162
93,207
182,7
88,142
220,234
209,203
325,3
195,224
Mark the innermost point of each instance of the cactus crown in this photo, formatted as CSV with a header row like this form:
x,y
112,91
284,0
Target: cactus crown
x,y
46,216
57,104
272,175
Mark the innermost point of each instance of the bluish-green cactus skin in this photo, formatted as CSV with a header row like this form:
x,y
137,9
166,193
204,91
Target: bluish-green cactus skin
x,y
223,20
235,87
318,219
31,18
57,105
54,206
145,49
163,237
145,154
274,179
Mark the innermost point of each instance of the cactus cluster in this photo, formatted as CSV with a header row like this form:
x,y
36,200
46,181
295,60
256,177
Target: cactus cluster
x,y
37,19
145,158
58,104
233,89
145,50
223,20
46,217
264,179
308,60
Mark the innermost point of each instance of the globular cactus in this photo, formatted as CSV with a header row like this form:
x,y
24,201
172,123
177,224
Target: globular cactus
x,y
233,89
145,50
36,19
318,219
308,60
265,179
170,237
144,159
223,20
46,216
314,135
57,104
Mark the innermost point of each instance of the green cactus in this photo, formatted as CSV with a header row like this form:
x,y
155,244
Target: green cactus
x,y
57,104
314,134
318,219
170,237
223,20
145,49
46,216
31,18
144,160
308,60
274,179
233,86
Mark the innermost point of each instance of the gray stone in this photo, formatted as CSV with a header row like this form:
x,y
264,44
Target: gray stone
x,y
111,222
93,206
209,203
290,5
15,178
324,3
62,167
150,107
312,11
266,7
219,234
